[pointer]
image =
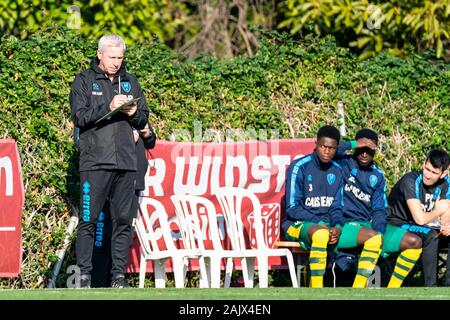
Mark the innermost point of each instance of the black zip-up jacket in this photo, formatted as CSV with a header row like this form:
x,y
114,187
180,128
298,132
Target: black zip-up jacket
x,y
109,144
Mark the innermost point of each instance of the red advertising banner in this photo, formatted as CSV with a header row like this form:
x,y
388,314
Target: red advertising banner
x,y
201,168
12,199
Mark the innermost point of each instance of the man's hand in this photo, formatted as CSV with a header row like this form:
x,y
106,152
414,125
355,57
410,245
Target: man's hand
x,y
335,233
443,206
445,218
145,133
136,135
445,229
130,110
445,223
365,142
117,101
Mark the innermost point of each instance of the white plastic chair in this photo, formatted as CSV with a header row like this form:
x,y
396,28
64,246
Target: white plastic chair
x,y
231,199
187,208
150,250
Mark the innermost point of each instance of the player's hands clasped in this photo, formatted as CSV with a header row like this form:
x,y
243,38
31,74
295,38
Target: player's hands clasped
x,y
335,233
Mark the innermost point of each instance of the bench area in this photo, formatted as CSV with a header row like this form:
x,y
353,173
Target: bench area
x,y
300,257
301,260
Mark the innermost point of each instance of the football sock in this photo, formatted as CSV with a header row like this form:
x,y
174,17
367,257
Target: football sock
x,y
405,262
318,257
367,261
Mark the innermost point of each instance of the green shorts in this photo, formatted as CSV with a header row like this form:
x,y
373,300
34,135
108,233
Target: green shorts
x,y
298,231
391,237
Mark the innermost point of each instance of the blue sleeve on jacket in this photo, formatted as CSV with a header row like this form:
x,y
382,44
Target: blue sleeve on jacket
x,y
295,198
379,220
341,157
345,146
336,209
379,207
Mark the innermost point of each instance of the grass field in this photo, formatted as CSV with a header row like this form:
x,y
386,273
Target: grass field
x,y
407,293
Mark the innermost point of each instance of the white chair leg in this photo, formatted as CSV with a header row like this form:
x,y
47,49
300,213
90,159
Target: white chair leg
x,y
159,269
208,270
142,271
215,272
228,272
204,280
291,266
248,271
178,271
263,271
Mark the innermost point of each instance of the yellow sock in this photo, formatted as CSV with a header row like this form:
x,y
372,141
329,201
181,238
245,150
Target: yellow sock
x,y
405,262
367,261
318,257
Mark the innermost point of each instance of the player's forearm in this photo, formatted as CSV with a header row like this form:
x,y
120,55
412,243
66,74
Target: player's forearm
x,y
336,217
301,214
379,220
345,146
445,218
423,218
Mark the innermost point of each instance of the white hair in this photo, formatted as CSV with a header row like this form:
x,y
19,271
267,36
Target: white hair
x,y
111,40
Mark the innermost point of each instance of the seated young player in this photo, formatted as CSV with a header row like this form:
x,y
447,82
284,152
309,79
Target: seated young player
x,y
314,202
365,213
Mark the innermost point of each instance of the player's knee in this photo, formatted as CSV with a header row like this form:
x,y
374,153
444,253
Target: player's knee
x,y
413,241
372,233
321,236
374,242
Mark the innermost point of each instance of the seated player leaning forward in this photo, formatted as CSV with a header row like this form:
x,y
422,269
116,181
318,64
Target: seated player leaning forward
x,y
420,203
365,213
314,205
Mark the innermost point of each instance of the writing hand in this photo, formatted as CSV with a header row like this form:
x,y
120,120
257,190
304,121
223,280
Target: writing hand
x,y
130,110
117,101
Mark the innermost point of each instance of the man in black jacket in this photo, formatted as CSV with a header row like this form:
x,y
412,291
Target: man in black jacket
x,y
108,160
101,259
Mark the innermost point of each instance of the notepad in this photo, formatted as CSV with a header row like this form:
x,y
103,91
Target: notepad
x,y
111,113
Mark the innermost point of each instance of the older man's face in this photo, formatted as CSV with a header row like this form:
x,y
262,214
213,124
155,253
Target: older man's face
x,y
111,59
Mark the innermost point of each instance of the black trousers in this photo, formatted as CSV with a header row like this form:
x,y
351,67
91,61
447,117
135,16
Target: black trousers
x,y
98,187
101,258
430,252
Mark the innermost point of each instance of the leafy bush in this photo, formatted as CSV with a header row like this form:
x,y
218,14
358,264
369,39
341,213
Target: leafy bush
x,y
373,26
136,20
290,86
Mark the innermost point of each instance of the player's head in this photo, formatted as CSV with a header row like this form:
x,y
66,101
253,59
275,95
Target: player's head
x,y
110,53
327,142
435,166
368,138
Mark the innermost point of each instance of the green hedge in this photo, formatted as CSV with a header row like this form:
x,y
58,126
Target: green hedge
x,y
290,86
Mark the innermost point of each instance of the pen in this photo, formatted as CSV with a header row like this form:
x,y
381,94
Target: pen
x,y
119,84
